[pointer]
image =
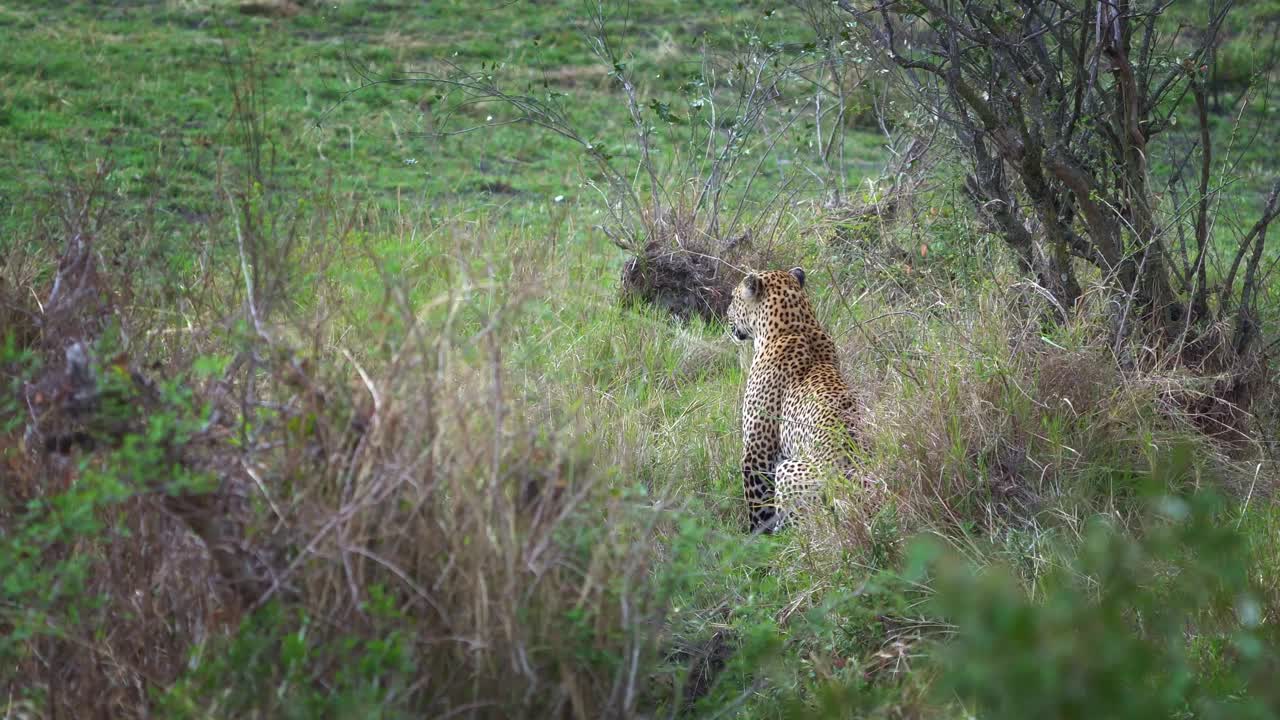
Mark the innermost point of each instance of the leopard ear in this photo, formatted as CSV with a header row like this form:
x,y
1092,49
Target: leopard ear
x,y
753,286
798,274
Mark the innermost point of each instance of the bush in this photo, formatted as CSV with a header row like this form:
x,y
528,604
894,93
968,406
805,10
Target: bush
x,y
1170,625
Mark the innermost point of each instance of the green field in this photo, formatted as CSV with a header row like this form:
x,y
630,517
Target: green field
x,y
350,293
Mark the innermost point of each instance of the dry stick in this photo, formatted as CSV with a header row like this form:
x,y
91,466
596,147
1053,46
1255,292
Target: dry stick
x,y
750,115
1245,330
1258,233
244,270
733,223
1130,297
1228,167
253,474
1269,212
1200,287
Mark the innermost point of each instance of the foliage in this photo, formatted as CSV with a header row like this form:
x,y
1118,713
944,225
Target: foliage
x,y
1169,625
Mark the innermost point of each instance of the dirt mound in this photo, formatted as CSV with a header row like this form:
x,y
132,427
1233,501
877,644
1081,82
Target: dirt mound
x,y
270,8
691,279
682,283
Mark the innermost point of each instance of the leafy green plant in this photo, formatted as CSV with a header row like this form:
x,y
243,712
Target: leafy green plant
x,y
1119,630
54,537
279,664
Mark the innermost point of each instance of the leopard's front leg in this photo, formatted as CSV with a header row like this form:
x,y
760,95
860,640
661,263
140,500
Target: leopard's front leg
x,y
761,435
762,452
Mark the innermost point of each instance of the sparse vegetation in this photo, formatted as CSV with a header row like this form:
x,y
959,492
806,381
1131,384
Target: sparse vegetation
x,y
365,360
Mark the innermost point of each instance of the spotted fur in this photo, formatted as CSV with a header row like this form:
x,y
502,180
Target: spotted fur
x,y
798,415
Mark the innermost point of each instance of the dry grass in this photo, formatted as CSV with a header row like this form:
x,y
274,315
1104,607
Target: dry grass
x,y
415,478
980,423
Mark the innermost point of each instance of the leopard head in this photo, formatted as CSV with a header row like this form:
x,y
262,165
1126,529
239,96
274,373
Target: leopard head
x,y
764,304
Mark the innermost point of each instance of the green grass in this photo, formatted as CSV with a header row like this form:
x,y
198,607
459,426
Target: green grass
x,y
151,90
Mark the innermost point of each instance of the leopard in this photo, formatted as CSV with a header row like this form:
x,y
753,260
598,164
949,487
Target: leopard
x,y
800,421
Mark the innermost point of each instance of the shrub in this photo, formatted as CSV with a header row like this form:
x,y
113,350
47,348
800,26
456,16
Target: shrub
x,y
1168,625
